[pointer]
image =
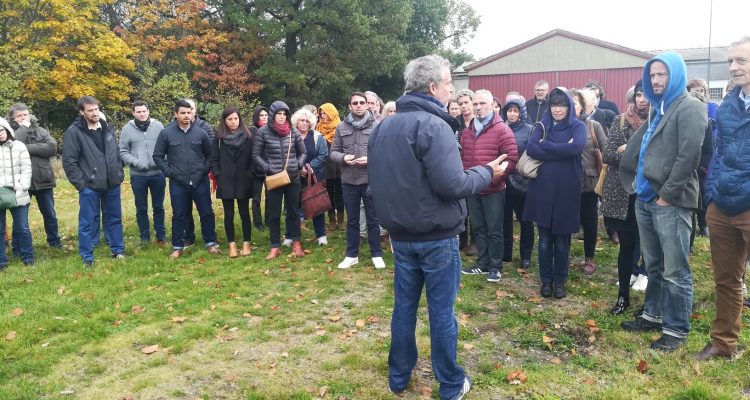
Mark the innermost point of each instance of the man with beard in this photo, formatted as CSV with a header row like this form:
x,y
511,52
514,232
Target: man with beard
x,y
91,159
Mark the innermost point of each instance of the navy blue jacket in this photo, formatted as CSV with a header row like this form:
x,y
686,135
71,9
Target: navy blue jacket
x,y
183,156
728,180
417,181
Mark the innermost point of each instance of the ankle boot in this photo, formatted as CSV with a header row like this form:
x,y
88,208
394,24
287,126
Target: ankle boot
x,y
232,250
622,304
275,252
245,249
297,249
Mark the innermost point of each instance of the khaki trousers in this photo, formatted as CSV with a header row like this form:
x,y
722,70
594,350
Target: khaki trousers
x,y
730,243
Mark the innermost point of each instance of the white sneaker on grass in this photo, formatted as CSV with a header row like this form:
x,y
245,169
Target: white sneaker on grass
x,y
641,283
348,262
633,278
378,262
323,241
287,243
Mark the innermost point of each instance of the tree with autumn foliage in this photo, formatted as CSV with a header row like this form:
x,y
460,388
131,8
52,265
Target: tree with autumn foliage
x,y
70,52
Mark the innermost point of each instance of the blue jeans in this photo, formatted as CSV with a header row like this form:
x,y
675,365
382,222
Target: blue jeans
x,y
182,198
21,235
141,185
94,203
45,199
353,195
486,213
436,265
665,244
553,252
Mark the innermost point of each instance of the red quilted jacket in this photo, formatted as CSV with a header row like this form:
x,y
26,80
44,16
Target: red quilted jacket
x,y
496,139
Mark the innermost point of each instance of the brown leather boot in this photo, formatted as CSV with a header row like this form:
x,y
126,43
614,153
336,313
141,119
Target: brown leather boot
x,y
275,252
246,250
233,250
297,249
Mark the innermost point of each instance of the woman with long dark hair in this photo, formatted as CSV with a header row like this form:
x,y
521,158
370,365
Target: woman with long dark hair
x,y
232,165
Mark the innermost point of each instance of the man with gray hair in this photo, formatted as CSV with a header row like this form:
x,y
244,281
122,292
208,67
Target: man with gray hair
x,y
374,104
42,147
418,146
485,139
537,107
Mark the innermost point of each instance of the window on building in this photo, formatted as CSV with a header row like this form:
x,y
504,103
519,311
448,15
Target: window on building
x,y
716,93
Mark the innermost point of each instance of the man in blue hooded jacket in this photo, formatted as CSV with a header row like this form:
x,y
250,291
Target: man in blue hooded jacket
x,y
418,186
659,166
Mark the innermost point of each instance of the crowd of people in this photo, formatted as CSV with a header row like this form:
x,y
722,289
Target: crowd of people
x,y
422,170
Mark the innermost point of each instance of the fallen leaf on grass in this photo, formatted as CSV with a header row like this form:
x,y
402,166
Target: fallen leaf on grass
x,y
17,312
548,341
425,391
468,346
274,308
592,339
556,361
213,307
230,378
320,332
642,366
329,260
117,323
697,369
360,323
127,397
136,310
178,320
307,251
11,335
517,377
334,318
61,290
322,391
257,306
373,319
589,381
535,299
590,322
502,293
246,315
150,349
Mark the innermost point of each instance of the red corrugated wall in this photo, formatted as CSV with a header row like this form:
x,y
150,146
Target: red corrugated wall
x,y
616,82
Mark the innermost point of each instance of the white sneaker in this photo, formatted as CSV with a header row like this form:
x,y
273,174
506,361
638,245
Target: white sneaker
x,y
378,262
744,289
641,283
287,243
348,262
323,241
633,278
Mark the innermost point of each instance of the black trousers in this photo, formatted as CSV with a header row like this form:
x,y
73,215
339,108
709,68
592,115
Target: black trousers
x,y
243,206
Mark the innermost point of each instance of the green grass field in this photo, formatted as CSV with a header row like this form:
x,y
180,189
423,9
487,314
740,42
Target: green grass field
x,y
211,327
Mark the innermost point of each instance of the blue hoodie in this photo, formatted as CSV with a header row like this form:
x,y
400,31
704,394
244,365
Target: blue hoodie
x,y
676,84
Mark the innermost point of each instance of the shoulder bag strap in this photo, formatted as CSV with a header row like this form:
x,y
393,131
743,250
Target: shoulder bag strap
x,y
289,150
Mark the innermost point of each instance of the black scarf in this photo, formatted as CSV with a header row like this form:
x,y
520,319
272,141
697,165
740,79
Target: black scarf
x,y
142,125
235,140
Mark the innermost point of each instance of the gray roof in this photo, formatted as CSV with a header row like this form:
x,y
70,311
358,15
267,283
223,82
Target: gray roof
x,y
718,54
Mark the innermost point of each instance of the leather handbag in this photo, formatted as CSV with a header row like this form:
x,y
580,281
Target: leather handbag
x,y
8,193
314,197
528,166
280,179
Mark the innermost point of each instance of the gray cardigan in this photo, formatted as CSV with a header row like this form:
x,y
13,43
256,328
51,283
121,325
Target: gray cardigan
x,y
137,148
672,155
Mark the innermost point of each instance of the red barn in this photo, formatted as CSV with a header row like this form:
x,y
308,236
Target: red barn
x,y
561,58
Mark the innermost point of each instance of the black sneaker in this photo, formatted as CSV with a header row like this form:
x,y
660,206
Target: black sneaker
x,y
639,324
494,276
475,270
88,264
546,289
525,264
119,256
559,291
668,343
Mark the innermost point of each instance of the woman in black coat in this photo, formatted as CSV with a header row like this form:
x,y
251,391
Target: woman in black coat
x,y
232,165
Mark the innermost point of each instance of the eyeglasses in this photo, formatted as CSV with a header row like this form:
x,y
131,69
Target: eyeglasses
x,y
358,103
